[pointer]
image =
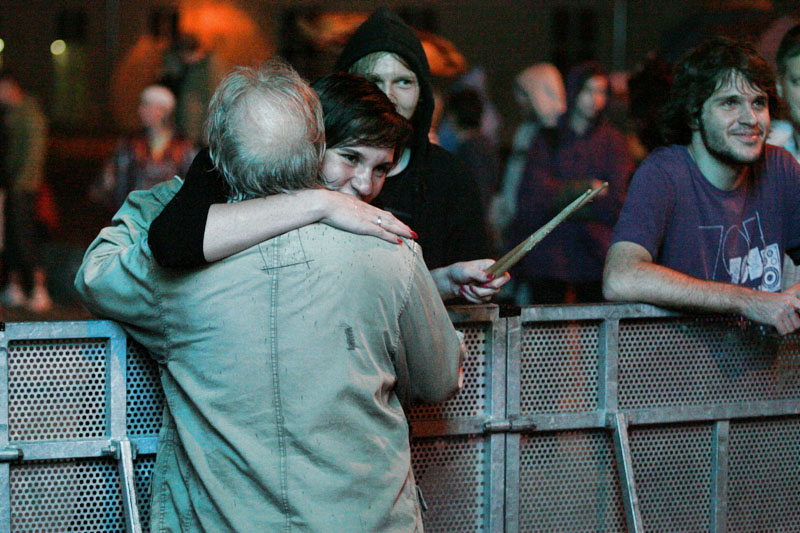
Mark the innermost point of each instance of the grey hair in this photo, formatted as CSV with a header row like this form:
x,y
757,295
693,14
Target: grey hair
x,y
265,131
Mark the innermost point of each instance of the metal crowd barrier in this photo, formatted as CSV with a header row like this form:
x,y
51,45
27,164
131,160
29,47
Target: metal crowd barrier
x,y
576,418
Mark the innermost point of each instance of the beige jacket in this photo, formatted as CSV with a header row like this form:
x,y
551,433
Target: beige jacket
x,y
283,369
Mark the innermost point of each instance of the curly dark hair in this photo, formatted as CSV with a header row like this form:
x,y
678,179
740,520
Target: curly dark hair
x,y
701,72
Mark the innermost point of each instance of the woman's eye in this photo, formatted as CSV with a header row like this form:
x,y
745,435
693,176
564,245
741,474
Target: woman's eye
x,y
350,158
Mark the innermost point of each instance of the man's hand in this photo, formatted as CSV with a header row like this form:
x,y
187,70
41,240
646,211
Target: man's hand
x,y
468,279
778,309
348,213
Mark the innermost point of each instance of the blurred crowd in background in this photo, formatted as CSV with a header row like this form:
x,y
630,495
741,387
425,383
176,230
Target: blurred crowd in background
x,y
577,126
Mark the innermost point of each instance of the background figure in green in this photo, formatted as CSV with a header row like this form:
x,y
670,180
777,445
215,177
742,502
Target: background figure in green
x,y
24,158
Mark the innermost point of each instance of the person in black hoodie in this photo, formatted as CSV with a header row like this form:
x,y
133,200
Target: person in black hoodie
x,y
429,190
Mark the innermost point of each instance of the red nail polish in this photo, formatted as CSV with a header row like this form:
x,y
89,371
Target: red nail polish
x,y
399,240
414,235
491,276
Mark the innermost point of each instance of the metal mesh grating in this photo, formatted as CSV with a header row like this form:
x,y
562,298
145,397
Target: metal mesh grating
x,y
452,473
558,367
471,400
764,470
143,474
56,389
145,400
568,482
672,468
76,495
702,361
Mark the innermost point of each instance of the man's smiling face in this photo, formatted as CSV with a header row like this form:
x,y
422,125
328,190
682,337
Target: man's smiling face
x,y
734,121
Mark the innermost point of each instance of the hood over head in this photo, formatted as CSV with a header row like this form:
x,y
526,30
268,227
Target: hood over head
x,y
384,31
576,79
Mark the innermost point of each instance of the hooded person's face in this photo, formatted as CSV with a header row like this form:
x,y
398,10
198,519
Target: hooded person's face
x,y
592,98
398,82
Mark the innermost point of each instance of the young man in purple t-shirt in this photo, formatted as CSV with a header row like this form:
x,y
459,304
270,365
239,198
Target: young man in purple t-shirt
x,y
708,220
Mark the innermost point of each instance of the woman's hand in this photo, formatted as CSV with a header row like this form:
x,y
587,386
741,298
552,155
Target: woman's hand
x,y
469,280
348,213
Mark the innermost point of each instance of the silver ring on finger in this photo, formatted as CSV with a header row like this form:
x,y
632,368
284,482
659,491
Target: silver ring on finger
x,y
379,221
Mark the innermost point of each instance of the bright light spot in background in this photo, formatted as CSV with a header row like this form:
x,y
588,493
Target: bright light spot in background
x,y
58,47
2,44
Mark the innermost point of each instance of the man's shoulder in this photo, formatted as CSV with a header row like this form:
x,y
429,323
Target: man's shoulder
x,y
667,154
669,161
145,205
329,238
779,168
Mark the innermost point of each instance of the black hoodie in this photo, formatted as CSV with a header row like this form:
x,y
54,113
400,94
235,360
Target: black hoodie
x,y
443,208
436,194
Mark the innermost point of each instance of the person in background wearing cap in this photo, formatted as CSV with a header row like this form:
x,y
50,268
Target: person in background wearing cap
x,y
154,154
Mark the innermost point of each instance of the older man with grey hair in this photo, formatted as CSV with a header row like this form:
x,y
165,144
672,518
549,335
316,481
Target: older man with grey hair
x,y
281,364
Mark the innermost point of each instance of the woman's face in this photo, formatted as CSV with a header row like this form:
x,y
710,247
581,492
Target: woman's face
x,y
592,98
357,170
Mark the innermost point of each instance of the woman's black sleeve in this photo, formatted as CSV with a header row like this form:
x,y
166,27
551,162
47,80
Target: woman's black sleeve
x,y
176,235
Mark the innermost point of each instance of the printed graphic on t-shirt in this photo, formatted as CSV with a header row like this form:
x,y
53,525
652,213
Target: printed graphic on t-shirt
x,y
745,256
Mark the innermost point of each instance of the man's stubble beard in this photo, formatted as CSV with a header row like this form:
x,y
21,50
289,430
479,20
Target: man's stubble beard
x,y
725,154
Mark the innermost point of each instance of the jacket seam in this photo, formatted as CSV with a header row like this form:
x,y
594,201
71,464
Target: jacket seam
x,y
169,444
279,421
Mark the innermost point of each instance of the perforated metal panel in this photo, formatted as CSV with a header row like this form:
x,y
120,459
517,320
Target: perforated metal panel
x,y
143,469
79,496
703,361
568,482
546,460
673,476
145,401
451,472
558,367
57,389
471,400
764,487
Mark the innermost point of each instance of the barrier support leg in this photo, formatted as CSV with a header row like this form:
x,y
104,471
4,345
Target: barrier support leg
x,y
719,476
122,450
622,449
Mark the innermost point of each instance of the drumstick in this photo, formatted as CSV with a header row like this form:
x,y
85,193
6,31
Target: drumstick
x,y
505,263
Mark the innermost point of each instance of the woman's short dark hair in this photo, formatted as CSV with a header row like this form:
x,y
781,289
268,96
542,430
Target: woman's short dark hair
x,y
701,72
356,112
